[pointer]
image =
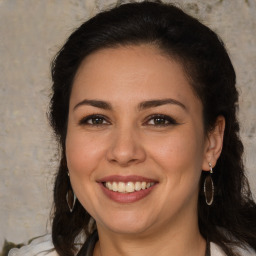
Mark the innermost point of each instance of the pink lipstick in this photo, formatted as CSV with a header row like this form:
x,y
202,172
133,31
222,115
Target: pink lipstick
x,y
126,189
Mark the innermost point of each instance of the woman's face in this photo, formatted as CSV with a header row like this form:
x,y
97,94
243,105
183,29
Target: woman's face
x,y
135,142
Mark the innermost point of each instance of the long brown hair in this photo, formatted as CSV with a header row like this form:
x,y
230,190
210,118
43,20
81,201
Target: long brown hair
x,y
231,219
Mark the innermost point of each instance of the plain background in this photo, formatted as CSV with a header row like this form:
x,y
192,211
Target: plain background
x,y
31,32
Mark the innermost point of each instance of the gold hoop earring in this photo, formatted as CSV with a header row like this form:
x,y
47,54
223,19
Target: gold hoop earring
x,y
209,187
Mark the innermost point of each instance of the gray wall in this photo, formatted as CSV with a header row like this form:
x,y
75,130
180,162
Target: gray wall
x,y
31,32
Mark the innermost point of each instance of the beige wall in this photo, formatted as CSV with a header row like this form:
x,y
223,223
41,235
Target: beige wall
x,y
31,31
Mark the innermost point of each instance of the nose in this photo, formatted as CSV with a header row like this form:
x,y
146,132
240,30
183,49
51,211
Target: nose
x,y
126,148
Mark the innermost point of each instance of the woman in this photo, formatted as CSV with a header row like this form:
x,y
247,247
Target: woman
x,y
144,107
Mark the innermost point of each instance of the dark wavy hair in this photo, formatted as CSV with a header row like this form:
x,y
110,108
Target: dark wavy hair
x,y
230,220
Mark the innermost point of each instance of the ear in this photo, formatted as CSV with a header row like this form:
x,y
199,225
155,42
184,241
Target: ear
x,y
213,144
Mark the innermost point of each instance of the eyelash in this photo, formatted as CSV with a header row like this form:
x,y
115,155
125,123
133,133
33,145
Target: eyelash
x,y
85,120
170,121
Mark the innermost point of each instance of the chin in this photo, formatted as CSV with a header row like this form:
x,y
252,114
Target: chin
x,y
126,224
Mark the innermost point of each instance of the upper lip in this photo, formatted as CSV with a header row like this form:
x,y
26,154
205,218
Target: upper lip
x,y
125,179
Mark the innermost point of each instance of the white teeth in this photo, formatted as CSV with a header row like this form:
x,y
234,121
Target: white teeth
x,y
121,187
128,187
137,186
114,186
108,185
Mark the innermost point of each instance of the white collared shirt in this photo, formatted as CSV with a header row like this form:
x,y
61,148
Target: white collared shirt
x,y
43,246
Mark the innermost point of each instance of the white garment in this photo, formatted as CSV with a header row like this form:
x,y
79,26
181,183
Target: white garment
x,y
42,245
38,247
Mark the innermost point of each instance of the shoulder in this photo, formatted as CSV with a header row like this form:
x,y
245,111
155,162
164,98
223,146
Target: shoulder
x,y
41,246
217,251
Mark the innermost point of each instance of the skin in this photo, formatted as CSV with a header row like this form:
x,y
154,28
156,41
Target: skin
x,y
129,141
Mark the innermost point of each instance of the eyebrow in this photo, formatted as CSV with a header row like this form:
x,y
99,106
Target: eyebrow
x,y
157,103
95,103
142,106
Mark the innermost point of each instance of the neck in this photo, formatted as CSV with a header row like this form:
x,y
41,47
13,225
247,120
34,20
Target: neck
x,y
177,238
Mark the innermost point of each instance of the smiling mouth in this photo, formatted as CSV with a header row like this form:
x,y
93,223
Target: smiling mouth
x,y
128,187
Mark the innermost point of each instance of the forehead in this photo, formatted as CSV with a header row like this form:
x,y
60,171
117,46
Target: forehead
x,y
131,72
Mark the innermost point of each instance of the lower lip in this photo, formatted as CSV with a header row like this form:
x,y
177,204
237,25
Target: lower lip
x,y
126,197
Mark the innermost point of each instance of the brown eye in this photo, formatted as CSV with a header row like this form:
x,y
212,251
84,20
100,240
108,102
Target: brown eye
x,y
161,120
94,120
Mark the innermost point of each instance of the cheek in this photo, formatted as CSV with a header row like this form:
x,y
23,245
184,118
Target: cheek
x,y
83,158
83,153
178,150
180,157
